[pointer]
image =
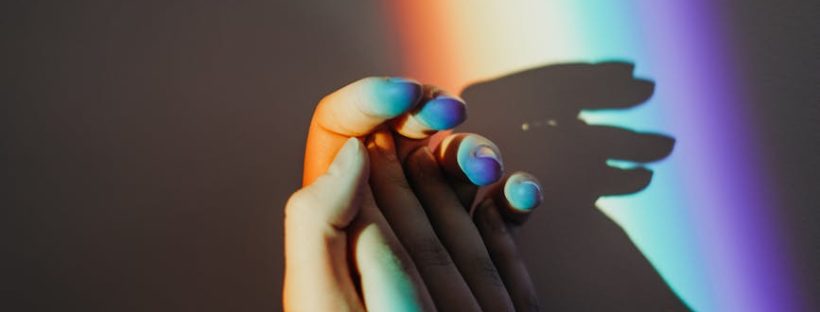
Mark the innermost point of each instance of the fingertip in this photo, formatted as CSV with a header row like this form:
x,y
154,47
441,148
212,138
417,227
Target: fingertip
x,y
348,172
480,160
523,192
437,111
334,197
472,158
442,112
483,167
350,159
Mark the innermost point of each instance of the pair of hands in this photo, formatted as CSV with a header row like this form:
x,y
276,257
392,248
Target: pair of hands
x,y
387,224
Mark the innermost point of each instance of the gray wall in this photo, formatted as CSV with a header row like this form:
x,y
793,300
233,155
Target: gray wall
x,y
148,146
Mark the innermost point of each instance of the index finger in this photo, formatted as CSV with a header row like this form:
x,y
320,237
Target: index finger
x,y
352,111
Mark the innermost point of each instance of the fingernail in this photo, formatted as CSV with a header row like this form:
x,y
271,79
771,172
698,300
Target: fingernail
x,y
480,160
523,192
396,96
346,156
442,112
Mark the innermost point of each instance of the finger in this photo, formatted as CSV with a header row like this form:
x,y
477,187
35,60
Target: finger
x,y
315,237
437,111
497,236
508,205
389,279
516,197
619,143
403,211
469,160
456,230
354,110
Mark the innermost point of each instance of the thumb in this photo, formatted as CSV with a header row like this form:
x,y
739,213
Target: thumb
x,y
316,216
334,198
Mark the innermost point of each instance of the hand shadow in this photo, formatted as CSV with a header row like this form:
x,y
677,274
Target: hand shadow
x,y
580,260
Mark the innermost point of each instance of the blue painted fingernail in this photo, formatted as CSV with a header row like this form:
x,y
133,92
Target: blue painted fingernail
x,y
523,192
442,112
395,96
483,170
480,160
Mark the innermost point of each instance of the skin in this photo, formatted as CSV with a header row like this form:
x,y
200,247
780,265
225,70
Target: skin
x,y
362,237
385,224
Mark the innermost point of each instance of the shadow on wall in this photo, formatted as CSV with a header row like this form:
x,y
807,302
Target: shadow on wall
x,y
579,258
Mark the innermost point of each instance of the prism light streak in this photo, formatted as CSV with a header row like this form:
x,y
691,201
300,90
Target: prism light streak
x,y
707,221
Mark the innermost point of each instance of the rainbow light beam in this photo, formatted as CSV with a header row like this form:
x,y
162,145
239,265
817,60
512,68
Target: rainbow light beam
x,y
708,221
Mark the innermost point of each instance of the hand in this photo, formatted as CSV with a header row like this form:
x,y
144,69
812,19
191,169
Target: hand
x,y
353,240
388,278
467,263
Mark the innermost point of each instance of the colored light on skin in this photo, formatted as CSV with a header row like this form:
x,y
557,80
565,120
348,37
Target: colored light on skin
x,y
386,283
354,110
479,159
393,97
442,112
523,192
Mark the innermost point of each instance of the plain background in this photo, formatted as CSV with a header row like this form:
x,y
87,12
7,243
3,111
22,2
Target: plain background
x,y
148,146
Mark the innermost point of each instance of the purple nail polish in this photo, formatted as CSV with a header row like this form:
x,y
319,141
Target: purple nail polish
x,y
442,112
480,160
